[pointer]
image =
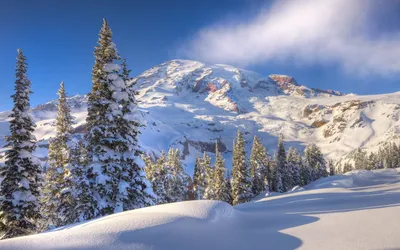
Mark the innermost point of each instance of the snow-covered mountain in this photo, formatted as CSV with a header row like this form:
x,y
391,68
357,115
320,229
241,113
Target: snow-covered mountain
x,y
190,105
358,210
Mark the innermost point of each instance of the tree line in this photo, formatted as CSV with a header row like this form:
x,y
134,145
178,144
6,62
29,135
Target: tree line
x,y
388,156
249,176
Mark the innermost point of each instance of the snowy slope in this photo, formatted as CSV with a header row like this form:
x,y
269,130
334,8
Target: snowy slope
x,y
189,105
358,210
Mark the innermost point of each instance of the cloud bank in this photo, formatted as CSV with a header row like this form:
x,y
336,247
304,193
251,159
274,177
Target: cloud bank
x,y
301,32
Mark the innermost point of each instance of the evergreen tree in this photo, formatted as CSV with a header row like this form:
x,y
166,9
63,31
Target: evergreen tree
x,y
268,174
209,192
258,167
190,192
78,191
199,179
55,200
21,175
315,159
294,167
228,180
116,179
360,159
283,177
372,161
125,75
306,171
381,158
387,159
272,167
125,72
176,182
347,167
331,168
156,173
241,183
395,155
221,185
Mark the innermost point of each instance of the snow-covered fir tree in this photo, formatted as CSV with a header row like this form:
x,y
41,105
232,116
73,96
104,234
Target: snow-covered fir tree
x,y
294,167
176,181
395,155
209,192
125,72
283,177
315,159
228,186
199,178
190,191
258,167
21,176
156,173
84,205
373,161
272,167
167,176
305,170
360,159
221,186
241,182
116,179
56,202
125,75
347,167
331,168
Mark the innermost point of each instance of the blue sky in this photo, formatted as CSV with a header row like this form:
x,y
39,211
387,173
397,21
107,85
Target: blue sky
x,y
58,38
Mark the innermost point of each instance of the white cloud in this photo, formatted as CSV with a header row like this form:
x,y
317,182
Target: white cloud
x,y
301,32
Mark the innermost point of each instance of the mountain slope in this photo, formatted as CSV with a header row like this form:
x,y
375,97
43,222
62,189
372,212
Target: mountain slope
x,y
189,105
353,211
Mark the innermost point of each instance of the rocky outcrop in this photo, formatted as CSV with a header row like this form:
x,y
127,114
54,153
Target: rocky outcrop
x,y
202,146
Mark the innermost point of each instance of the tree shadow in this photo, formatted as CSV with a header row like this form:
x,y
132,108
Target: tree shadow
x,y
242,231
331,202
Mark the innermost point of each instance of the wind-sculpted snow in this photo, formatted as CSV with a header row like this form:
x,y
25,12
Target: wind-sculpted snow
x,y
331,213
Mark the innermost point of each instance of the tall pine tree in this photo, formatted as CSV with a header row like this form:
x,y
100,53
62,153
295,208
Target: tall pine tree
x,y
176,181
57,201
258,166
283,178
331,168
199,182
20,188
209,192
156,173
221,187
305,171
241,182
116,179
315,159
294,167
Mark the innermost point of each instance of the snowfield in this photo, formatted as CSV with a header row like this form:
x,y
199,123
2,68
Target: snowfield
x,y
358,210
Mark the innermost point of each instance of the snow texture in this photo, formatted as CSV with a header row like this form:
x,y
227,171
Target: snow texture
x,y
358,210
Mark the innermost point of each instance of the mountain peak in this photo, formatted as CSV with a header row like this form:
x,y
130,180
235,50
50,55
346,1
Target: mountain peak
x,y
283,81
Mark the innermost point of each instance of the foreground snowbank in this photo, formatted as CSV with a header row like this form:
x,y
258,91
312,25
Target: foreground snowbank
x,y
359,210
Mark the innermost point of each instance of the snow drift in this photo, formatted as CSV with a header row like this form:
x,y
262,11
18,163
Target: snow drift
x,y
359,210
